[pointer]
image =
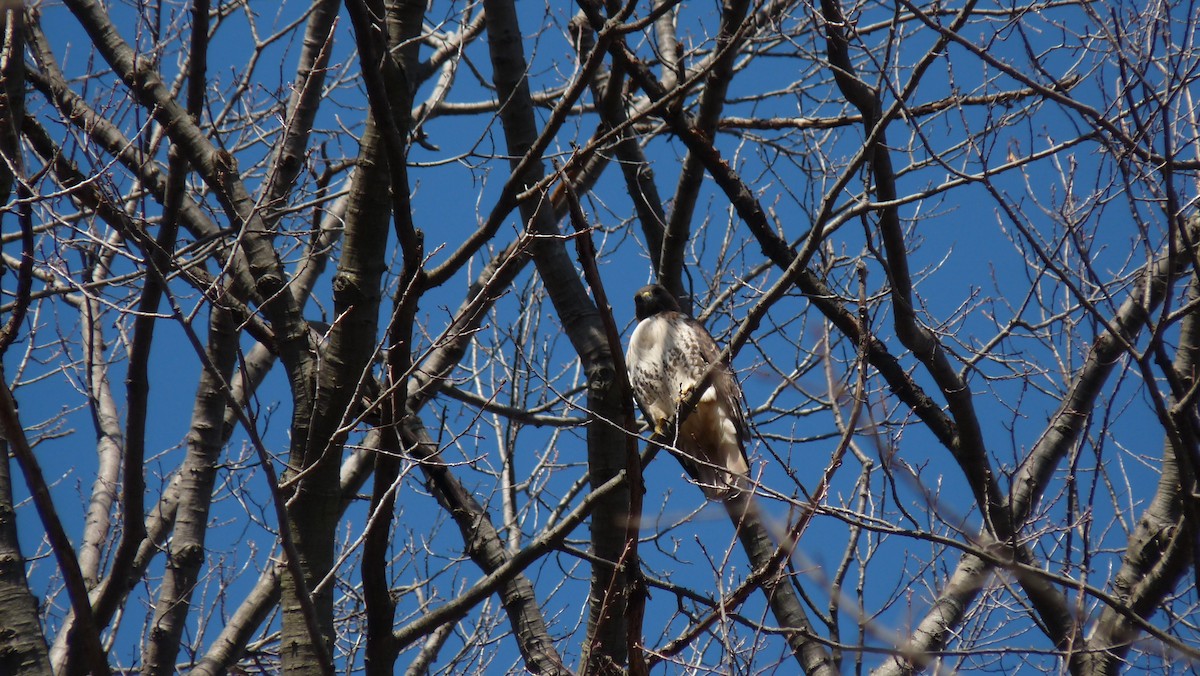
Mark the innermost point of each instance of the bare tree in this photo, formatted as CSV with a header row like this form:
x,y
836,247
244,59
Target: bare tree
x,y
323,373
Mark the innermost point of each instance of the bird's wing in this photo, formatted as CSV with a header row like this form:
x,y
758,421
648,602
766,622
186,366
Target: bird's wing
x,y
725,388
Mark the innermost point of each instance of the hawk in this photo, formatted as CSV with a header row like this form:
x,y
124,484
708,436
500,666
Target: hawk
x,y
669,354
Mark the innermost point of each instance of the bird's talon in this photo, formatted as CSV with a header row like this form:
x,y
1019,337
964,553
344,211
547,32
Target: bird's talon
x,y
661,429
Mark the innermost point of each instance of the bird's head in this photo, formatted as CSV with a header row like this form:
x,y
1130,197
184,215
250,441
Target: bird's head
x,y
653,299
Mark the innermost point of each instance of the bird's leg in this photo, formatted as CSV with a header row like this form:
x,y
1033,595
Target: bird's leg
x,y
685,393
662,427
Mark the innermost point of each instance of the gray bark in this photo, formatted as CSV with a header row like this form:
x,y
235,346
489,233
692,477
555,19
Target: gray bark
x,y
23,650
606,644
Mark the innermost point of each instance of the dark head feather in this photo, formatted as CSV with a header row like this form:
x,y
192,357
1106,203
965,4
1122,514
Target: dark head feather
x,y
653,299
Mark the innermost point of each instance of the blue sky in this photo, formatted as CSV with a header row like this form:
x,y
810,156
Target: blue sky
x,y
963,247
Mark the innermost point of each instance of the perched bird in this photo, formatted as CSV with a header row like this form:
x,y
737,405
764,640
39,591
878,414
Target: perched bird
x,y
669,354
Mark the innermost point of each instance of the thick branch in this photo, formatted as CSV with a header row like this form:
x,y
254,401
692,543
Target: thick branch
x,y
1060,435
84,632
579,318
197,477
730,37
485,547
1156,554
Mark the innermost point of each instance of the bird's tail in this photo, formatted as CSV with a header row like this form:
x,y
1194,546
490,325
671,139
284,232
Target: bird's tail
x,y
712,452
